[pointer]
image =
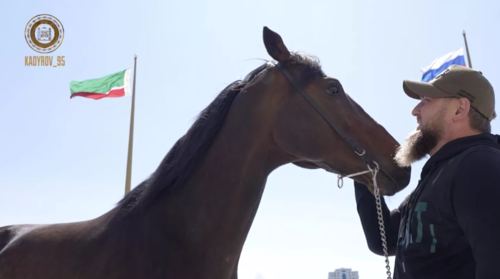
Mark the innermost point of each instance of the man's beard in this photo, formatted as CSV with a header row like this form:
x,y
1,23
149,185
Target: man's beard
x,y
418,144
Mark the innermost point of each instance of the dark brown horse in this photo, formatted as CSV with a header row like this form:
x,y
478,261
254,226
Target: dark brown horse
x,y
190,218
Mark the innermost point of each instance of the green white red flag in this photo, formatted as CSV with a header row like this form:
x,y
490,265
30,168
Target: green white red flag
x,y
112,85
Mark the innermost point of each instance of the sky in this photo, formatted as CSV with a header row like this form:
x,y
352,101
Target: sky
x,y
64,160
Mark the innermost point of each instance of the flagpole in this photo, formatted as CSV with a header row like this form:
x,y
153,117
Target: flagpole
x,y
131,134
467,50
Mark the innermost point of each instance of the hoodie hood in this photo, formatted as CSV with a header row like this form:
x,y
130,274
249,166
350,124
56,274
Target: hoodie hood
x,y
454,147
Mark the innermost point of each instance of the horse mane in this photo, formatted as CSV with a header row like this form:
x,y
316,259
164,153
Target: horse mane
x,y
189,150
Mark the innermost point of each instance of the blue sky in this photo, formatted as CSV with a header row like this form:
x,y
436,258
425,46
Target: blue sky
x,y
64,160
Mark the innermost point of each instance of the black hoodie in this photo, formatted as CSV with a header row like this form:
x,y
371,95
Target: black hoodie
x,y
449,226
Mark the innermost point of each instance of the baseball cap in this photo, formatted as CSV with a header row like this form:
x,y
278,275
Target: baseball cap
x,y
460,82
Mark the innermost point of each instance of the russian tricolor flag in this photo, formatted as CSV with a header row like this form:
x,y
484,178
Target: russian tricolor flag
x,y
442,63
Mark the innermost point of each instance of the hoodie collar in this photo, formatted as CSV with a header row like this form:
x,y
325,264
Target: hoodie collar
x,y
456,146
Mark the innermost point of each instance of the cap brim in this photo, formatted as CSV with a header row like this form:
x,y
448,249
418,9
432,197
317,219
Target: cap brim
x,y
418,89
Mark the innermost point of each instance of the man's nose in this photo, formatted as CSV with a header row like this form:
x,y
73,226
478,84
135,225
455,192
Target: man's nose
x,y
416,110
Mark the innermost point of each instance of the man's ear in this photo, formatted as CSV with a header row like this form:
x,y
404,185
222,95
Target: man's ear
x,y
463,108
275,46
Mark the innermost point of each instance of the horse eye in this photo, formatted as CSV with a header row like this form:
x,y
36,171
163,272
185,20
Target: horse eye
x,y
332,89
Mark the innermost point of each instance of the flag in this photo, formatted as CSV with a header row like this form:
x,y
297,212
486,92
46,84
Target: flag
x,y
455,57
112,85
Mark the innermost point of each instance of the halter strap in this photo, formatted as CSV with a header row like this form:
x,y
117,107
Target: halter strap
x,y
354,145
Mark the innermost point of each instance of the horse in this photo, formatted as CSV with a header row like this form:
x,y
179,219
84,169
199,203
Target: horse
x,y
190,218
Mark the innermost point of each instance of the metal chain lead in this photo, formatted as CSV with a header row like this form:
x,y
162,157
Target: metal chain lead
x,y
374,172
381,225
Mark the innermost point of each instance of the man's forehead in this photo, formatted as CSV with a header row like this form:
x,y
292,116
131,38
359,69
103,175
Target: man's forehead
x,y
428,98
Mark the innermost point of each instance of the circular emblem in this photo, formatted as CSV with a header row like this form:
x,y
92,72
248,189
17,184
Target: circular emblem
x,y
44,33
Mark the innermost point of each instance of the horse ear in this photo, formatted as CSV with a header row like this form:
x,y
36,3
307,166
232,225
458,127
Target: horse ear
x,y
275,46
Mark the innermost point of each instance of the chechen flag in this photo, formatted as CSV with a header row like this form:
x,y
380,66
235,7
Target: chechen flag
x,y
112,85
442,63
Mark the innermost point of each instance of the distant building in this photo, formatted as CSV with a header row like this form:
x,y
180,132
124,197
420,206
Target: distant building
x,y
343,273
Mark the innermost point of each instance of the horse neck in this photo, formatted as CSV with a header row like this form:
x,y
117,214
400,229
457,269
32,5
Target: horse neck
x,y
215,208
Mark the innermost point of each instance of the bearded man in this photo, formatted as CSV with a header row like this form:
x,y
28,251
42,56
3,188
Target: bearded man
x,y
449,226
